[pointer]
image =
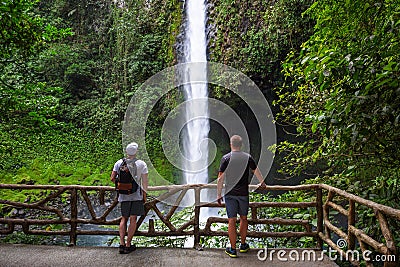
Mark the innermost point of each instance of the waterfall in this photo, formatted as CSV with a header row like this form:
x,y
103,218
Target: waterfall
x,y
195,133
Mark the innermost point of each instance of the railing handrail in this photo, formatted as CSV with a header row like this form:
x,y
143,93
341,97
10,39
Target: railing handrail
x,y
154,188
395,213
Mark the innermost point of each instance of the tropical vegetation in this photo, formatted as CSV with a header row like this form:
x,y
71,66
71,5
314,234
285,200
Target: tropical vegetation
x,y
329,69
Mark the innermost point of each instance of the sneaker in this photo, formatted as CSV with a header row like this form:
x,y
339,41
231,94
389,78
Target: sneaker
x,y
231,252
130,249
121,249
244,248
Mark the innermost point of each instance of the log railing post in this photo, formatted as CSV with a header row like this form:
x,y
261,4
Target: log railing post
x,y
101,197
74,217
389,238
151,226
320,217
196,230
351,220
326,213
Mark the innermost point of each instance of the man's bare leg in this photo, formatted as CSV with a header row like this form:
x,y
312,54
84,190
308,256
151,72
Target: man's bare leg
x,y
232,232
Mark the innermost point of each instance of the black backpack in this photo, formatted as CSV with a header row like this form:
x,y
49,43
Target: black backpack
x,y
126,183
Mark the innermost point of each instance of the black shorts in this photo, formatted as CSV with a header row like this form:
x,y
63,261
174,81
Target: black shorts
x,y
236,205
129,208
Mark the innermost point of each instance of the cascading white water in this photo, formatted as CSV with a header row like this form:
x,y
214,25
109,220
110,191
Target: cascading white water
x,y
196,131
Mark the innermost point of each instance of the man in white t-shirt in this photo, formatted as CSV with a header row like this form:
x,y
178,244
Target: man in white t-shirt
x,y
132,205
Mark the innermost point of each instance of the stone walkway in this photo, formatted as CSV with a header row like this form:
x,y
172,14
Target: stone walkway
x,y
58,256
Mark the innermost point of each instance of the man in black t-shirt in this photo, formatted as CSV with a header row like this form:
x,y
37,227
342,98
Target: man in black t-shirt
x,y
235,171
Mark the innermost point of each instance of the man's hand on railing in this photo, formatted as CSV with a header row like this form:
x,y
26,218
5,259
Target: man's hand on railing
x,y
262,186
219,200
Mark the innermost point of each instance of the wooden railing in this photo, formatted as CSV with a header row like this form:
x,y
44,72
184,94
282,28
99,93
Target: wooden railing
x,y
47,207
353,235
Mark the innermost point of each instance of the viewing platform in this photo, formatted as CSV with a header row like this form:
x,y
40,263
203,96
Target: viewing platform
x,y
59,256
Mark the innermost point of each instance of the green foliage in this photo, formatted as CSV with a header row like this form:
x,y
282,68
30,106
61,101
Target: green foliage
x,y
65,102
22,31
71,157
342,95
21,238
24,99
34,104
341,100
255,36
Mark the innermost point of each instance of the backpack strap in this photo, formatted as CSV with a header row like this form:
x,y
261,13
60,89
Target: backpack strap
x,y
119,167
132,163
138,180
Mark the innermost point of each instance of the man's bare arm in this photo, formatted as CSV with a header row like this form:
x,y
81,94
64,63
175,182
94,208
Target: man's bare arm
x,y
113,175
145,184
220,183
260,178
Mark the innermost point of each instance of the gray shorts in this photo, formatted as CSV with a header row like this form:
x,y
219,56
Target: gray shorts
x,y
236,205
129,208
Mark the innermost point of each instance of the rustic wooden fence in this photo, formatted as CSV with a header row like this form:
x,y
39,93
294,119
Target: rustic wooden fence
x,y
47,207
346,205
